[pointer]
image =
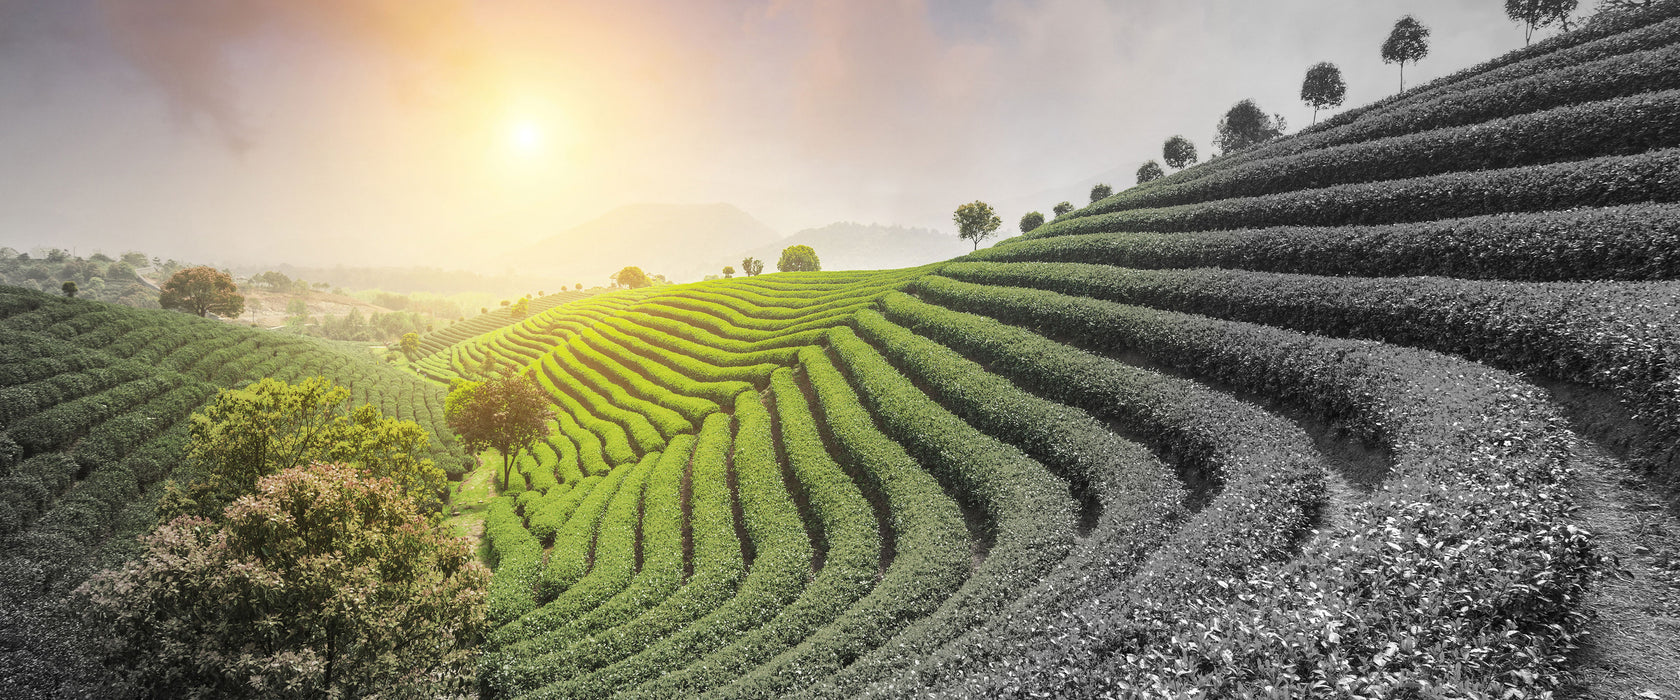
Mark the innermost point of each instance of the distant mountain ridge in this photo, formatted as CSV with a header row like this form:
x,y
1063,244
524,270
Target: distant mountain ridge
x,y
675,240
848,245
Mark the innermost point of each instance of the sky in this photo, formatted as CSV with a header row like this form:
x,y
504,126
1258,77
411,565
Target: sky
x,y
447,132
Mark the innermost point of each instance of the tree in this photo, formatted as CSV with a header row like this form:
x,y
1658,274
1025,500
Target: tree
x,y
1031,220
507,413
1409,41
1323,88
1534,14
1100,192
246,434
273,280
521,308
728,271
632,277
296,307
507,303
202,290
1061,209
976,222
1178,152
798,258
1244,125
1149,171
324,582
752,266
69,288
410,345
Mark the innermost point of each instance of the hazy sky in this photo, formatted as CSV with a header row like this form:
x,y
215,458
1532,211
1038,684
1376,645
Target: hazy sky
x,y
394,132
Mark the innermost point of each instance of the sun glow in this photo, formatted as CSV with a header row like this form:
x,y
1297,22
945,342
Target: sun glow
x,y
526,138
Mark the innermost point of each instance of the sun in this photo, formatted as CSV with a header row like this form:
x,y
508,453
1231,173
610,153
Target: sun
x,y
526,138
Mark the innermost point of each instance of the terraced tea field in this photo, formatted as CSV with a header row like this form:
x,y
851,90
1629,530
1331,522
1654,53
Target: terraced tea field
x,y
1386,408
1309,419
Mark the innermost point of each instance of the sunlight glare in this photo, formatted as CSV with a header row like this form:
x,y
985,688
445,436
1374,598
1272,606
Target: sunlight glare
x,y
526,138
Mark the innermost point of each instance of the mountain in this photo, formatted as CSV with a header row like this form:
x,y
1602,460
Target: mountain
x,y
853,246
674,240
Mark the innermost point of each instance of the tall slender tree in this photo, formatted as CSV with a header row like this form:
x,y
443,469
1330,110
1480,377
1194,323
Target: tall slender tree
x,y
1323,88
1409,41
976,222
1535,14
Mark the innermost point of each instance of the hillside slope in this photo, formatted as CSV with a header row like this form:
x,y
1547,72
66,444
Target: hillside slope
x,y
94,399
1322,417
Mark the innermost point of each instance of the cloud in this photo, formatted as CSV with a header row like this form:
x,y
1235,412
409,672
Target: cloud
x,y
185,46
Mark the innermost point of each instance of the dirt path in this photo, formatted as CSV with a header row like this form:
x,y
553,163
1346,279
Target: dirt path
x,y
1632,648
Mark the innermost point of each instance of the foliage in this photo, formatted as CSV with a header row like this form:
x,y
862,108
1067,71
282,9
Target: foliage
x,y
1323,88
1100,191
1030,221
631,277
1634,242
1149,171
1178,152
275,280
369,597
410,344
270,426
1061,209
1408,41
1245,125
798,258
1535,14
976,222
69,288
520,309
507,413
728,271
1616,126
202,290
751,266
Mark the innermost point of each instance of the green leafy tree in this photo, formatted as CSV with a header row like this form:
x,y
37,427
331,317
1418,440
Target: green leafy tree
x,y
135,259
202,290
976,222
1409,41
296,307
1534,14
1031,220
632,277
521,308
1244,125
579,286
323,582
728,271
1149,171
798,258
273,280
1323,88
507,413
1100,192
69,288
1062,209
752,267
1178,152
246,434
410,345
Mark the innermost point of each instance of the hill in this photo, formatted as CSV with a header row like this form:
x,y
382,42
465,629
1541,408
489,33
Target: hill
x,y
667,239
1361,410
852,246
94,400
